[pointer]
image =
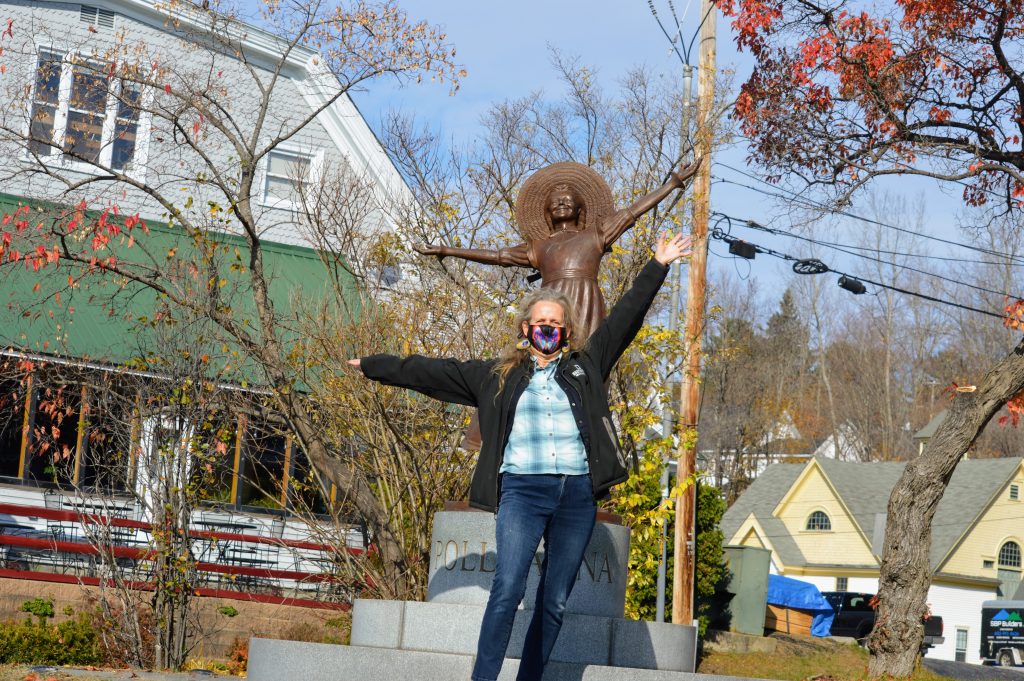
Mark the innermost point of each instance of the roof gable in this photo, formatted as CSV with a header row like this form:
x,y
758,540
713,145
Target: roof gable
x,y
864,489
752,528
968,498
758,500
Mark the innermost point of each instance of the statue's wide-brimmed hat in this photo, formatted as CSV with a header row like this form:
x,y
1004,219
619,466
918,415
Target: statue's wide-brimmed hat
x,y
532,204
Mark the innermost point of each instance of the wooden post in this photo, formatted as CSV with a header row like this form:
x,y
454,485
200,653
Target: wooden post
x,y
25,451
236,467
286,477
685,565
81,443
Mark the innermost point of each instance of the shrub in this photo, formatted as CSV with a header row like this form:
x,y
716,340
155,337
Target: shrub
x,y
334,630
340,629
116,630
40,607
238,660
41,642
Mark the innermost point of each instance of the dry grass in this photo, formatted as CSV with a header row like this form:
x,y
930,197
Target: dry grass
x,y
799,659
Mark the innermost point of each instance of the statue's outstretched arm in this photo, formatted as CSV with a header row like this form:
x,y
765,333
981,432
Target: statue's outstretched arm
x,y
616,225
515,256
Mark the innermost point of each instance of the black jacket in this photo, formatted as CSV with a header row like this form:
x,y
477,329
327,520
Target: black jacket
x,y
582,374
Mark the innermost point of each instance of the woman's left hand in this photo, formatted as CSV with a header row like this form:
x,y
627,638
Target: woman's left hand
x,y
672,247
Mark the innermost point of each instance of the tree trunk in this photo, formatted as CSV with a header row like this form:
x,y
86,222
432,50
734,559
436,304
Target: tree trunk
x,y
905,573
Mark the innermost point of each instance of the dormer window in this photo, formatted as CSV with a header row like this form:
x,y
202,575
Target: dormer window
x,y
819,522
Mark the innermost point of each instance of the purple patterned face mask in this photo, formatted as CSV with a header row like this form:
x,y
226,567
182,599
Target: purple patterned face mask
x,y
546,338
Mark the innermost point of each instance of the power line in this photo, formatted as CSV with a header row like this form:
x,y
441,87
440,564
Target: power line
x,y
820,206
821,268
752,224
902,254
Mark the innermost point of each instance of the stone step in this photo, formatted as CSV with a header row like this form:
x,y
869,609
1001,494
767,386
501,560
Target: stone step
x,y
271,660
584,639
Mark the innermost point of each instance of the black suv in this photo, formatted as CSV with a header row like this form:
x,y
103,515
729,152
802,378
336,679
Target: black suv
x,y
855,618
854,615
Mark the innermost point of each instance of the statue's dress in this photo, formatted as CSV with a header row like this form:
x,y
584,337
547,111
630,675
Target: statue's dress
x,y
569,262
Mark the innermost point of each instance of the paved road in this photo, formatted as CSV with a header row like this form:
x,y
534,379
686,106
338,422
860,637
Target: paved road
x,y
973,672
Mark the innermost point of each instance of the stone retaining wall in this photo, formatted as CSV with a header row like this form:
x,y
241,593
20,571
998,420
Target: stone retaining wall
x,y
218,631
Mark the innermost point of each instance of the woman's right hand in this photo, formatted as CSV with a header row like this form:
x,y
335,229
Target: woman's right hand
x,y
671,247
354,362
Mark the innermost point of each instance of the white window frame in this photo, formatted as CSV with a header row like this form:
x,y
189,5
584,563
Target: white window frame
x,y
316,164
1014,492
999,556
135,169
957,650
810,515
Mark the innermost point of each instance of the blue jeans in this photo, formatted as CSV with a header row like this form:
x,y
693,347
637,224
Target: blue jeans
x,y
561,509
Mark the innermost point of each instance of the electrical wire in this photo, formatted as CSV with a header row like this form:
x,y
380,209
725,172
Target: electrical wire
x,y
820,206
654,12
719,234
752,224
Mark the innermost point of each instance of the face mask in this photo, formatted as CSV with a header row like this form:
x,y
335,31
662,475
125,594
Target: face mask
x,y
547,339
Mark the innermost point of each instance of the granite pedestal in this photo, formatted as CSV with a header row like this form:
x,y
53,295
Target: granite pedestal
x,y
395,640
462,562
271,660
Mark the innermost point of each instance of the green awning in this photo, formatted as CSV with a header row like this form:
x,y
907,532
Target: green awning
x,y
115,322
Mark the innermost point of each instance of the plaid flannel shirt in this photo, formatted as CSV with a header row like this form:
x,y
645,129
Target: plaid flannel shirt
x,y
544,437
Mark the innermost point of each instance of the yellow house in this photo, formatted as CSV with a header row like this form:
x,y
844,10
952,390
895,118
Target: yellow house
x,y
824,522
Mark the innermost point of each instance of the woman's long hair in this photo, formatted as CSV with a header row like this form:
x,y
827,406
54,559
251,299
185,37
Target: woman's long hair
x,y
513,355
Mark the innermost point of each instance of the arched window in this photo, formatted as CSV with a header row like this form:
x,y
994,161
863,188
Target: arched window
x,y
819,521
1009,555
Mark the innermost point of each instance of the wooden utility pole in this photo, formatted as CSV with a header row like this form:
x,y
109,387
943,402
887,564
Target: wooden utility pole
x,y
683,575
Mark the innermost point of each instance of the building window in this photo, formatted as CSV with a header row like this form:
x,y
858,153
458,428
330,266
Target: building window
x,y
265,461
81,113
106,441
214,447
1015,492
287,176
1009,555
961,644
54,435
45,102
13,403
819,522
988,564
842,584
306,492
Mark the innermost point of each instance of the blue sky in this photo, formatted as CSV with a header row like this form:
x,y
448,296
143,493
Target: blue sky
x,y
504,46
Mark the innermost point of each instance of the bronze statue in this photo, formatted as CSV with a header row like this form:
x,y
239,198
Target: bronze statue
x,y
566,216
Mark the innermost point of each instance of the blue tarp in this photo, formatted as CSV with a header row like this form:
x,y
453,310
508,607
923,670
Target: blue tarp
x,y
792,593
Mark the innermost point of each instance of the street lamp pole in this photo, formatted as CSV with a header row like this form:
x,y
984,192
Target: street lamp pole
x,y
668,417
